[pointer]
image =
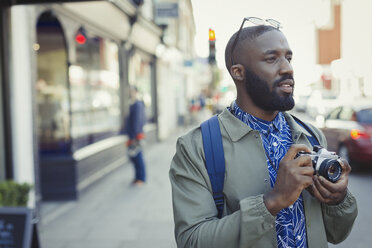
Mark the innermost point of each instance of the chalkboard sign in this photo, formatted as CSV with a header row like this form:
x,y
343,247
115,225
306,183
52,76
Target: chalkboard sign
x,y
15,227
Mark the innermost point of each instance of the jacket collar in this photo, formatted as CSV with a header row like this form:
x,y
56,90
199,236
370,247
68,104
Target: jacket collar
x,y
236,129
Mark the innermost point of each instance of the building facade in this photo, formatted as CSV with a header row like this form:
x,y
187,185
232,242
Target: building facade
x,y
66,71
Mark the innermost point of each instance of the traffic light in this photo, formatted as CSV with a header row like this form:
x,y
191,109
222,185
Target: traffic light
x,y
212,47
80,39
212,35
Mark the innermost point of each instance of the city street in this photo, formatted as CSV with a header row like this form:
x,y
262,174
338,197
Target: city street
x,y
113,214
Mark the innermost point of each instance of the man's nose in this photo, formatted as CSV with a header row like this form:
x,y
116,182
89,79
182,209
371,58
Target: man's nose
x,y
286,67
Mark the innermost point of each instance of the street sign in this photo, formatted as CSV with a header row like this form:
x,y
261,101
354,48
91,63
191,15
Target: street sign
x,y
166,10
15,227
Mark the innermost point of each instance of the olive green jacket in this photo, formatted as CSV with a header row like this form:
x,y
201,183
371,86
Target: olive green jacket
x,y
246,221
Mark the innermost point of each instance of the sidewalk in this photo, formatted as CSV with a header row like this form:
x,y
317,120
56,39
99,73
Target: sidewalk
x,y
114,214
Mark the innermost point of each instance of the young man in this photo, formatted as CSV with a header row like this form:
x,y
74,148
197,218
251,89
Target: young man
x,y
271,197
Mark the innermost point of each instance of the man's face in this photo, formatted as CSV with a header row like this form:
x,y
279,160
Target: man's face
x,y
268,72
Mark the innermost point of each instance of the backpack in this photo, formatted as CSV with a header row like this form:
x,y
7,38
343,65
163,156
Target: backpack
x,y
215,158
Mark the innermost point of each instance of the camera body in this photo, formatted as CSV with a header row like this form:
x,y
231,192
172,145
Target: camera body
x,y
325,163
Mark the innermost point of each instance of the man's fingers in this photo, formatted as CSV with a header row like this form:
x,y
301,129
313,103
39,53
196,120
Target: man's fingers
x,y
307,171
328,190
338,186
295,149
315,192
321,189
346,168
325,184
307,181
304,161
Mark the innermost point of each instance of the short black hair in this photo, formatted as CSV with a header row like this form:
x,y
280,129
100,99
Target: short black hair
x,y
246,33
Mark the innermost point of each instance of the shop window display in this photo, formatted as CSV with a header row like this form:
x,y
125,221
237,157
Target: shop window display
x,y
94,86
78,103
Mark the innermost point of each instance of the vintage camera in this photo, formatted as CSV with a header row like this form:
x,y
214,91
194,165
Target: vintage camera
x,y
325,163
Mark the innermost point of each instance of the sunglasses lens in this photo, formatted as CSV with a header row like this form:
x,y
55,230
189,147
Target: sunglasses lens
x,y
274,23
255,20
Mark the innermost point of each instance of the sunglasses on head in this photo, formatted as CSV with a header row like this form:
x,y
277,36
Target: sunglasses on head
x,y
256,21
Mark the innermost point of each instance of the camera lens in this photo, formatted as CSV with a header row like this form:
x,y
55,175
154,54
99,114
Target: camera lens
x,y
330,169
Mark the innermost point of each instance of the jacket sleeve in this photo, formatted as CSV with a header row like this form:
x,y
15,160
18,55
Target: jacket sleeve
x,y
338,219
196,224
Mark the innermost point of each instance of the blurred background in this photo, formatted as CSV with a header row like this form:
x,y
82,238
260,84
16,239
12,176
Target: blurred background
x,y
66,67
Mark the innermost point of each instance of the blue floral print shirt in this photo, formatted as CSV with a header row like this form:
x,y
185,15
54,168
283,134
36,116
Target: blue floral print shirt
x,y
276,140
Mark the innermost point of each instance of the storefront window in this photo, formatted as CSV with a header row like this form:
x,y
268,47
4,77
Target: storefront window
x,y
51,86
94,84
140,75
77,104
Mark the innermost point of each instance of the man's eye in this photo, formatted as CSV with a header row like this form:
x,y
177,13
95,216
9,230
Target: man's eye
x,y
289,59
270,60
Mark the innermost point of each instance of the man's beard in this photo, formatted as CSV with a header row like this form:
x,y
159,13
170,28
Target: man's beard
x,y
264,98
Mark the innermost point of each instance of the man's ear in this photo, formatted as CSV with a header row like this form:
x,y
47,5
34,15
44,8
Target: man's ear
x,y
237,72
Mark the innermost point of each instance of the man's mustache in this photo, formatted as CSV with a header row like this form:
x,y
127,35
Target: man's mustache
x,y
284,77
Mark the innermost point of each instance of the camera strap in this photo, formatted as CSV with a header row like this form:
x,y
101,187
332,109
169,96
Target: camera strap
x,y
312,139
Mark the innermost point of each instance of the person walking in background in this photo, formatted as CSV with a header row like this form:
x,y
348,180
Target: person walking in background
x,y
134,129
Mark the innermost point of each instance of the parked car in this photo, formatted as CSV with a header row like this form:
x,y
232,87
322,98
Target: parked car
x,y
321,102
348,130
301,103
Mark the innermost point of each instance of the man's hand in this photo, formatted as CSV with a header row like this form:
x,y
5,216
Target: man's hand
x,y
328,192
294,175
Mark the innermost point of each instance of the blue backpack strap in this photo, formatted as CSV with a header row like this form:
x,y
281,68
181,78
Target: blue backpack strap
x,y
313,139
215,159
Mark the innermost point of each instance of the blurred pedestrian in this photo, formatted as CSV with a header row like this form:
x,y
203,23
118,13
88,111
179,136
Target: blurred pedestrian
x,y
269,196
133,127
202,100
